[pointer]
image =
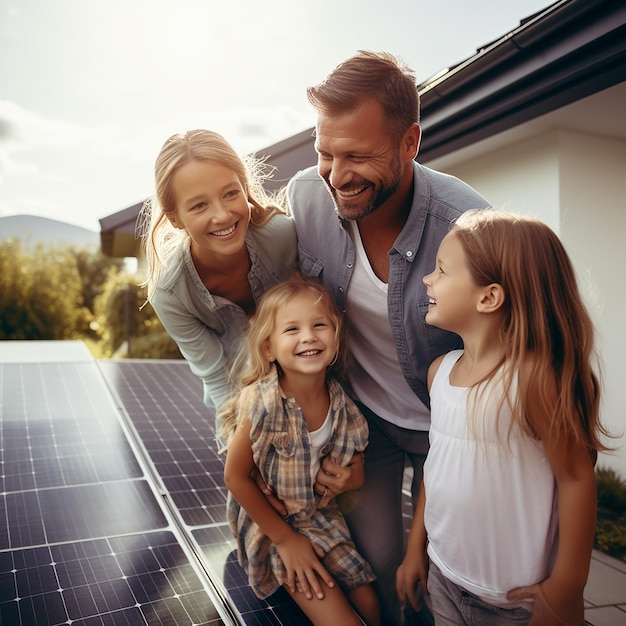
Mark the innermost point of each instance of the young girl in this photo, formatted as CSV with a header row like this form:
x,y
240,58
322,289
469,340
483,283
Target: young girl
x,y
506,516
289,414
214,243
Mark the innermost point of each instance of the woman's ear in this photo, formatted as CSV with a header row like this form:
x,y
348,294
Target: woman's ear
x,y
492,299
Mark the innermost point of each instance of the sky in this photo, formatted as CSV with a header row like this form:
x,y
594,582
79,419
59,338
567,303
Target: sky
x,y
91,89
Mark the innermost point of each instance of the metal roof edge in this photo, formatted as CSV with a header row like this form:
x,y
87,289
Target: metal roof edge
x,y
571,49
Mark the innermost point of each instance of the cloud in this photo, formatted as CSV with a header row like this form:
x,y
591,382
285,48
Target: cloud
x,y
69,171
22,130
247,128
8,130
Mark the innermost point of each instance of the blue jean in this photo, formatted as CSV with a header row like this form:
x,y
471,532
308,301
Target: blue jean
x,y
374,512
453,606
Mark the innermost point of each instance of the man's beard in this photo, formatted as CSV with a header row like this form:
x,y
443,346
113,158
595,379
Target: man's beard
x,y
355,211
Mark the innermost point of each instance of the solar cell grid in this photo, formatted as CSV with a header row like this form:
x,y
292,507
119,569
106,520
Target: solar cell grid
x,y
87,452
163,401
83,539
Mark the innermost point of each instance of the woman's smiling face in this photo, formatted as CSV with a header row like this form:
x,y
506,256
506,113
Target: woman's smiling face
x,y
212,206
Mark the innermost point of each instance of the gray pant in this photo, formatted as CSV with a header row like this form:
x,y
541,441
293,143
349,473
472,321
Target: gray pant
x,y
453,606
374,512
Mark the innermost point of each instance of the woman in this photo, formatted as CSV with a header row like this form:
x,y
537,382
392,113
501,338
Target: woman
x,y
214,243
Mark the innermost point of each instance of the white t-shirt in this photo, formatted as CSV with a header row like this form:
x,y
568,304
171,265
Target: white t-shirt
x,y
377,377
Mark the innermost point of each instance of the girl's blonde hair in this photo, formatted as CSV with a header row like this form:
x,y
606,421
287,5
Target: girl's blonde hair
x,y
160,238
544,322
252,364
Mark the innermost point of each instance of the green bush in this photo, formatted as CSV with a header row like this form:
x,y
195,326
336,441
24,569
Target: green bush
x,y
56,292
611,490
127,328
611,525
156,345
41,293
611,537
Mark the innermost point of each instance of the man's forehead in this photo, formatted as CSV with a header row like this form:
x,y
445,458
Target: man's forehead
x,y
349,131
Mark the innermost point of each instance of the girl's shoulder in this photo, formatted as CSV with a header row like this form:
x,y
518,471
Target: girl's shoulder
x,y
451,357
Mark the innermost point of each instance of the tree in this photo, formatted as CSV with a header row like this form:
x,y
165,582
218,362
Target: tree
x,y
40,293
72,293
129,326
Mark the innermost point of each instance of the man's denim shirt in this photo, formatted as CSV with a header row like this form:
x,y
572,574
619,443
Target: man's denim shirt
x,y
207,329
326,252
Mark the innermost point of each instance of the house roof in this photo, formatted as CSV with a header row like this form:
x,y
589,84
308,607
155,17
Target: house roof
x,y
560,55
555,57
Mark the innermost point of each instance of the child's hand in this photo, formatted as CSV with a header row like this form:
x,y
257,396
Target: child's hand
x,y
411,571
553,604
304,570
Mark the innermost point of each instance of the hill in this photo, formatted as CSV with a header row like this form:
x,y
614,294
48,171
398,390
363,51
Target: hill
x,y
32,229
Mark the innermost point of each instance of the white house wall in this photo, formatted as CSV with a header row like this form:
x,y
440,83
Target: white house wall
x,y
593,209
576,183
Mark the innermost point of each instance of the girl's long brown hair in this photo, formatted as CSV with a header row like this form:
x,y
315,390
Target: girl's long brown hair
x,y
545,324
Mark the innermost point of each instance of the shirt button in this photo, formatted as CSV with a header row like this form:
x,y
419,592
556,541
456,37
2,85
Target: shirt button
x,y
340,289
409,253
348,264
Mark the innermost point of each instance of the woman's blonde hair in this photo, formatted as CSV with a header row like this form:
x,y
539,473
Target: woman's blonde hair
x,y
159,237
544,322
252,364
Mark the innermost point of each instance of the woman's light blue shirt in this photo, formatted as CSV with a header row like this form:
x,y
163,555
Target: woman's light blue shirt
x,y
209,329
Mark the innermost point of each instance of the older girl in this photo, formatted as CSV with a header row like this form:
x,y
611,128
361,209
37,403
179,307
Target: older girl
x,y
506,517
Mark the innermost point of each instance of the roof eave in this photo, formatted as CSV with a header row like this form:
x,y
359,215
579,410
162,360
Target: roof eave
x,y
572,49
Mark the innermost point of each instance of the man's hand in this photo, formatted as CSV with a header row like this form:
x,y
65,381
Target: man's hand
x,y
274,502
333,479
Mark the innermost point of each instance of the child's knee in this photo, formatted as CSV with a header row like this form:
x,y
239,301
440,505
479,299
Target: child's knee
x,y
366,602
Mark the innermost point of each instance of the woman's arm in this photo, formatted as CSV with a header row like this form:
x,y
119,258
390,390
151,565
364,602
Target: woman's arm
x,y
298,554
198,344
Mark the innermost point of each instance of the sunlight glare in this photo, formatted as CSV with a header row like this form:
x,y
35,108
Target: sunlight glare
x,y
190,34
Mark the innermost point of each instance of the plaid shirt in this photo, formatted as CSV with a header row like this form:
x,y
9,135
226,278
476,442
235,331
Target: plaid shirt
x,y
281,449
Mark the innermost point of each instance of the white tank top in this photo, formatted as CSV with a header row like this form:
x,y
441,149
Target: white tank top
x,y
377,378
491,513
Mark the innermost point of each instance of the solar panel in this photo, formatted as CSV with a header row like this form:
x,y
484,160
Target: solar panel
x,y
163,401
113,500
83,537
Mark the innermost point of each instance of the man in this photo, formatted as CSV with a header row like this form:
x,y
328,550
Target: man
x,y
369,221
